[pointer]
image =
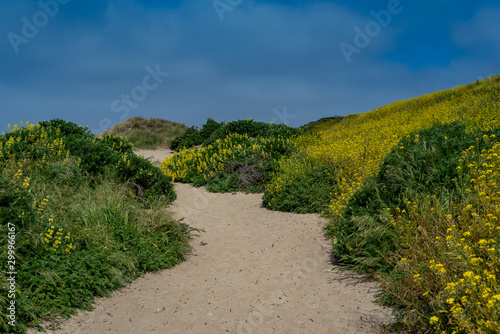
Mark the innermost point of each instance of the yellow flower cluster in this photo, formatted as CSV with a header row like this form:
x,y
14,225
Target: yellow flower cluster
x,y
43,204
463,272
206,161
112,139
54,238
36,136
16,163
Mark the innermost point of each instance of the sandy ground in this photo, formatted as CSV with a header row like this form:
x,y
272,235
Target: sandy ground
x,y
156,156
251,271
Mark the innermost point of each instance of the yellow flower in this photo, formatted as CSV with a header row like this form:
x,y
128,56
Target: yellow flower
x,y
433,320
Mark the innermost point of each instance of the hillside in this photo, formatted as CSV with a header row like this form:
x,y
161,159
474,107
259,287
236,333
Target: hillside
x,y
147,133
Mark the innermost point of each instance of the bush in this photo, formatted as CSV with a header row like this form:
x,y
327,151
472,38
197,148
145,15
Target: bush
x,y
308,192
235,161
83,228
423,163
252,129
194,137
96,155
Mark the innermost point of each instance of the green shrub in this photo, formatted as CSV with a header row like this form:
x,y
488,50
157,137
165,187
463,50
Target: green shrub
x,y
234,161
83,227
422,164
97,155
252,129
193,136
307,192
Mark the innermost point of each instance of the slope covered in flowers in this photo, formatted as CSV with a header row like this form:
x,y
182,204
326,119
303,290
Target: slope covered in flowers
x,y
358,143
415,202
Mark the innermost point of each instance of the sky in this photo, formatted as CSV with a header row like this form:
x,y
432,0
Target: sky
x,y
100,62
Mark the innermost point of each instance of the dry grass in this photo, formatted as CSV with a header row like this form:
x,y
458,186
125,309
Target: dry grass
x,y
151,133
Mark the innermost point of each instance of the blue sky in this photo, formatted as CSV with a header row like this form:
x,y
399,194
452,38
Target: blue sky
x,y
99,62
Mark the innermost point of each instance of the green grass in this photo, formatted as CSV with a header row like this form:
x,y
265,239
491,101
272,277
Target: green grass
x,y
149,133
89,216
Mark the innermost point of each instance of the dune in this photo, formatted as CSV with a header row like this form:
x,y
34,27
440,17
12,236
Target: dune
x,y
251,270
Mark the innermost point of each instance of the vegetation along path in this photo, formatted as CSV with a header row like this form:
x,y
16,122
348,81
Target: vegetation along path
x,y
251,271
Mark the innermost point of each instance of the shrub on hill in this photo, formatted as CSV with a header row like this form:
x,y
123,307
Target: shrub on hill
x,y
421,164
252,129
88,218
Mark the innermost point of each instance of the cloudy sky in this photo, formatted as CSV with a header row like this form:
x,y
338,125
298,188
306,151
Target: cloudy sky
x,y
99,62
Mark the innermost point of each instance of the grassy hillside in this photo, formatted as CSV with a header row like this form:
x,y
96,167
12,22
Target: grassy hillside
x,y
79,217
411,191
148,133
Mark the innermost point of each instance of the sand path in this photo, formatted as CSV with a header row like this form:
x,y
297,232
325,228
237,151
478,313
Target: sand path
x,y
251,271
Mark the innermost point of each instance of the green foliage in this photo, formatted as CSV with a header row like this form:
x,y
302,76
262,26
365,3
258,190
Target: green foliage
x,y
82,228
105,154
252,129
212,131
229,161
307,192
421,164
193,136
189,139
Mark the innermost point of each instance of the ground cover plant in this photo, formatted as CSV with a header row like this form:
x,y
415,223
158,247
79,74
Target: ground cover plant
x,y
150,133
89,216
446,263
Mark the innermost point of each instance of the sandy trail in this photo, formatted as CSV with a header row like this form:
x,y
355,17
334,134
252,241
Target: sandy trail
x,y
251,271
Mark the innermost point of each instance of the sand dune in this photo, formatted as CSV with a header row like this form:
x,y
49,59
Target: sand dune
x,y
251,271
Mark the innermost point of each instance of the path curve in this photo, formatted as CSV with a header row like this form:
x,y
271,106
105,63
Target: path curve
x,y
251,271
